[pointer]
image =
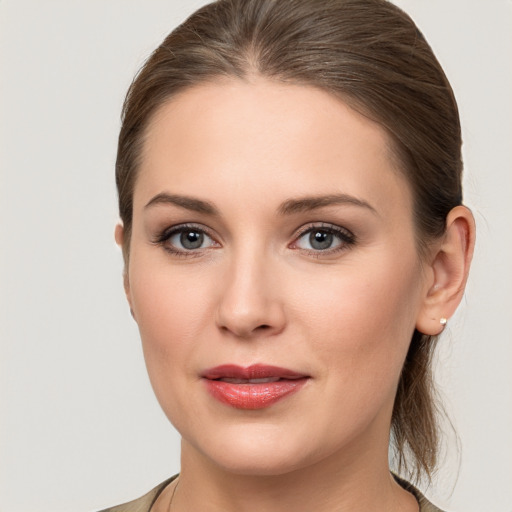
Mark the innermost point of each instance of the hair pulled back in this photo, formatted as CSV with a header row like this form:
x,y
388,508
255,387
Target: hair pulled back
x,y
371,55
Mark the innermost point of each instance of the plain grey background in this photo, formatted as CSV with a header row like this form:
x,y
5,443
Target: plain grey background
x,y
80,428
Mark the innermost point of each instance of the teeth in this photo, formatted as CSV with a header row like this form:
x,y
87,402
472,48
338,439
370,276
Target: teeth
x,y
250,381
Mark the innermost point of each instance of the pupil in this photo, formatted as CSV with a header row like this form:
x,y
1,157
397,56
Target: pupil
x,y
320,240
191,239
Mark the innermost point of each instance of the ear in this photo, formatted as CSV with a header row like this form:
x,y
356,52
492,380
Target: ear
x,y
119,236
449,270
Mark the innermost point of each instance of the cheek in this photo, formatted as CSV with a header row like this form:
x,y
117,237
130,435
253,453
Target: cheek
x,y
172,307
361,319
166,295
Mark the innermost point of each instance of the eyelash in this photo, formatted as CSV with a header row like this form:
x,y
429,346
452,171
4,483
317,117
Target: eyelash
x,y
163,238
346,238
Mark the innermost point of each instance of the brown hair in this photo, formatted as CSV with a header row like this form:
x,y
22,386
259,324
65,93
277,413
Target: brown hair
x,y
371,55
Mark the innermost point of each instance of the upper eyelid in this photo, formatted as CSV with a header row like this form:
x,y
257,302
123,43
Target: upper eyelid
x,y
168,232
323,226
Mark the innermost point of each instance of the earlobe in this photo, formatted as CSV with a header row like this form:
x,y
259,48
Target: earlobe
x,y
450,267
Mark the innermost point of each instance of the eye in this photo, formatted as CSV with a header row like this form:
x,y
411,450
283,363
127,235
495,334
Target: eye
x,y
184,239
324,239
190,239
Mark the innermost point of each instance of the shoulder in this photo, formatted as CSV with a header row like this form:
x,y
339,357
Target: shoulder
x,y
144,503
425,505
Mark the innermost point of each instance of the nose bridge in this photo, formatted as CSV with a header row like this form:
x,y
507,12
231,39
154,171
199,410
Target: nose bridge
x,y
249,301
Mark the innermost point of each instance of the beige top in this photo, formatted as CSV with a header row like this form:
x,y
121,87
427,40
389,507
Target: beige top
x,y
145,503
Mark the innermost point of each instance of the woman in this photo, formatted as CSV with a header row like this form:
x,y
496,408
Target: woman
x,y
289,178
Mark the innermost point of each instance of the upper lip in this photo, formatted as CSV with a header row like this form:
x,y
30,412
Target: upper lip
x,y
255,371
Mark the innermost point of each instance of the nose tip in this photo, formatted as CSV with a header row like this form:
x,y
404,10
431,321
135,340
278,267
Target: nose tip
x,y
251,316
245,325
249,304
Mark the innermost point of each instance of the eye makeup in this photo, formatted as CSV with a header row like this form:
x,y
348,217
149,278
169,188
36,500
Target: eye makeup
x,y
315,239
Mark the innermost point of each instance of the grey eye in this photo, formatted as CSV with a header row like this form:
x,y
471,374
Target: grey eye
x,y
190,239
318,239
321,240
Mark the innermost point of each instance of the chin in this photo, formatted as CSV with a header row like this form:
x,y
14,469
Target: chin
x,y
265,463
258,451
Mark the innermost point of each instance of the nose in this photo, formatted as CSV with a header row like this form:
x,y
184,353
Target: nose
x,y
250,304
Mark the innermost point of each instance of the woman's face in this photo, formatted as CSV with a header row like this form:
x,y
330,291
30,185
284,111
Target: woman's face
x,y
273,240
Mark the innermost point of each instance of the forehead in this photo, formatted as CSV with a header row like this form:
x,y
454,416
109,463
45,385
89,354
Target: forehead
x,y
268,137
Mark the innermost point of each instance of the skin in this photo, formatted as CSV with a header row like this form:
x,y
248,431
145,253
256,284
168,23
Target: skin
x,y
258,292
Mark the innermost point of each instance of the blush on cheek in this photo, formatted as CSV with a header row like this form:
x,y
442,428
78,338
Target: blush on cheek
x,y
171,316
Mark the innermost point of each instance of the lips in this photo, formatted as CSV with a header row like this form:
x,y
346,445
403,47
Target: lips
x,y
253,387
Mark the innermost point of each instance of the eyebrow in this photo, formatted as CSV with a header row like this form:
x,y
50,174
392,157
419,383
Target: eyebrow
x,y
187,202
304,204
289,207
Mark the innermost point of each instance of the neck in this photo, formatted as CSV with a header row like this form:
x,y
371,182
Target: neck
x,y
335,483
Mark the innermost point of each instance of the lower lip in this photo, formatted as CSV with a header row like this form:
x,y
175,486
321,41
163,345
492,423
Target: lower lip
x,y
253,396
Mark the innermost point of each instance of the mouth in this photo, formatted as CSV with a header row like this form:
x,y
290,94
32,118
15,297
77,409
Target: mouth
x,y
253,387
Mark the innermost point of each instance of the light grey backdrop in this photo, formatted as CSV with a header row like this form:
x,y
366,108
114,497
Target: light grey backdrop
x,y
80,428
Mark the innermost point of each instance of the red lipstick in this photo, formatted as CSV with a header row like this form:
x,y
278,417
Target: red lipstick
x,y
254,387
